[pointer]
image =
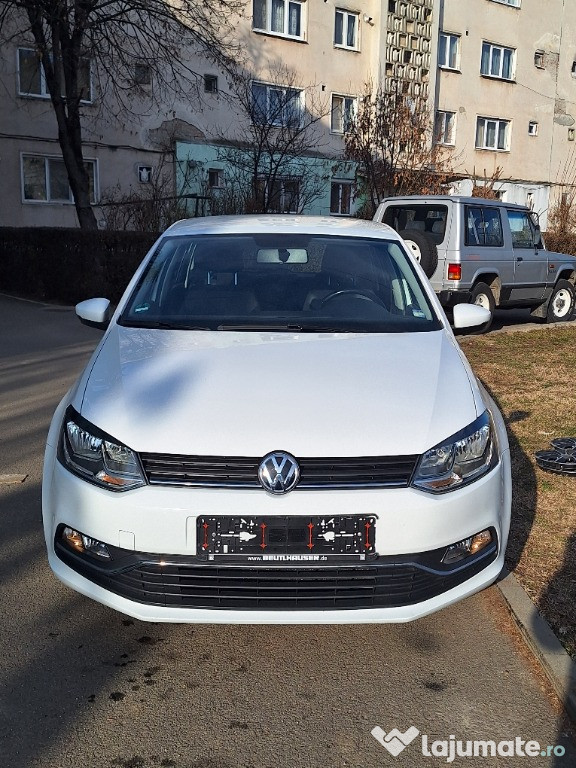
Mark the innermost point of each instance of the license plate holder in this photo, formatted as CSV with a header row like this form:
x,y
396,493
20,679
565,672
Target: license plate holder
x,y
286,539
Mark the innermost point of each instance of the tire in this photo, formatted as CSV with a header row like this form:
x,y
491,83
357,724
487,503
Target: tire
x,y
561,304
423,248
482,296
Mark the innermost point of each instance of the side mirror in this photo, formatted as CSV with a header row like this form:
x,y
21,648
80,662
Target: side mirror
x,y
94,312
470,315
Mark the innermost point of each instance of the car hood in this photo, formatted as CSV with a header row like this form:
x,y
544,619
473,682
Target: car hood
x,y
249,393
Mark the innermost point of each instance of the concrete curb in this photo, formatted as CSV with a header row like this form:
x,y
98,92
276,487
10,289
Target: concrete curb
x,y
556,663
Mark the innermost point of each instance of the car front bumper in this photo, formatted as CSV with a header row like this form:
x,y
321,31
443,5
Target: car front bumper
x,y
152,535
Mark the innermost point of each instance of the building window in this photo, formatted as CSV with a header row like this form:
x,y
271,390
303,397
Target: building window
x,y
448,47
346,29
514,3
573,70
276,105
215,178
341,198
444,127
44,179
533,128
142,74
497,61
282,194
343,112
210,83
279,17
492,133
32,80
539,59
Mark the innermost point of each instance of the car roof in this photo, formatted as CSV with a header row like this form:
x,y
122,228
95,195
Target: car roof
x,y
460,199
282,224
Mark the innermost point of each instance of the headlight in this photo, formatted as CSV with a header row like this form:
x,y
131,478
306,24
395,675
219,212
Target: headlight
x,y
459,460
97,457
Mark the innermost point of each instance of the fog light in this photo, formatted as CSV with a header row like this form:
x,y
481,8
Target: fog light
x,y
480,541
73,538
85,544
467,547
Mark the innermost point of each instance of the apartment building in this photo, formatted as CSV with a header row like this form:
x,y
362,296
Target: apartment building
x,y
506,96
499,75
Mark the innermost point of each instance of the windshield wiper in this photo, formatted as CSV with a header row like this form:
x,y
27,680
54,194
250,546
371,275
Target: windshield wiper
x,y
259,327
157,325
293,327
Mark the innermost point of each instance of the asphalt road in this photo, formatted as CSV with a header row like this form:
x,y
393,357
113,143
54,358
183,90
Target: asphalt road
x,y
505,319
84,687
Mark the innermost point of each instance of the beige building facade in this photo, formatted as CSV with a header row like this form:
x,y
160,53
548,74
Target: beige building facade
x,y
506,96
500,76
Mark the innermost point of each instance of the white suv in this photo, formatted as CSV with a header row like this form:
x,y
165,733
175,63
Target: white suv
x,y
277,426
485,251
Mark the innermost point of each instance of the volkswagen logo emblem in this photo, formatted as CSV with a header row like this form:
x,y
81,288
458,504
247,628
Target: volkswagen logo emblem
x,y
278,472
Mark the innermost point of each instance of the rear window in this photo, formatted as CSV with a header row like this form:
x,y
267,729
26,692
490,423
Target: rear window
x,y
280,282
483,226
430,219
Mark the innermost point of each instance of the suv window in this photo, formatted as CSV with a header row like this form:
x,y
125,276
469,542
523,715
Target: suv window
x,y
521,228
430,219
483,226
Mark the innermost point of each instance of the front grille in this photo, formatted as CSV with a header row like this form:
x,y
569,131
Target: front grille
x,y
242,472
390,582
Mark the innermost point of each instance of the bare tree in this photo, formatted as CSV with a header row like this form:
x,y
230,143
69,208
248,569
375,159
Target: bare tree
x,y
391,140
486,185
273,161
115,36
562,213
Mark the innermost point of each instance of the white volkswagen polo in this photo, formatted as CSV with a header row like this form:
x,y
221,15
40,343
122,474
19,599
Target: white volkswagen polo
x,y
278,426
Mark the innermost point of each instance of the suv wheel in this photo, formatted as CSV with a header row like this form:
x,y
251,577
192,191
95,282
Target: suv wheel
x,y
561,304
423,249
482,296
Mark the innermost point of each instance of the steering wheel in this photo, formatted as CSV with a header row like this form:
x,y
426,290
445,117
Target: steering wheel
x,y
351,292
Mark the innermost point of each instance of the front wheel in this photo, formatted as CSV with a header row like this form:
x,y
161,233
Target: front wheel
x,y
482,296
561,304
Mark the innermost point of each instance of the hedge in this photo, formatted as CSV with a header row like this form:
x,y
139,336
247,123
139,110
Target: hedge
x,y
561,242
69,265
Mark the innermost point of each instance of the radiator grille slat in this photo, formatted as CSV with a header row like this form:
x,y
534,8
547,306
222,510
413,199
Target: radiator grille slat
x,y
242,472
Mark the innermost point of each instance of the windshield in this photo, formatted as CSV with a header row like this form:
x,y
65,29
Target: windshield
x,y
280,282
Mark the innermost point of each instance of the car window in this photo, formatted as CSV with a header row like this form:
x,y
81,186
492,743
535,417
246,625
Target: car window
x,y
483,226
430,219
280,281
521,228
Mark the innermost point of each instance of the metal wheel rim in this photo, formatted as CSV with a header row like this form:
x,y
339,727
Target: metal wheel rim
x,y
415,250
482,301
561,303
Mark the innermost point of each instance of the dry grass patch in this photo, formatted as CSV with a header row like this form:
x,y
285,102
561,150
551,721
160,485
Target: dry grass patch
x,y
532,376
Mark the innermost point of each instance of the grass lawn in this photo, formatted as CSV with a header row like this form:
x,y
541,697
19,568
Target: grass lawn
x,y
532,376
